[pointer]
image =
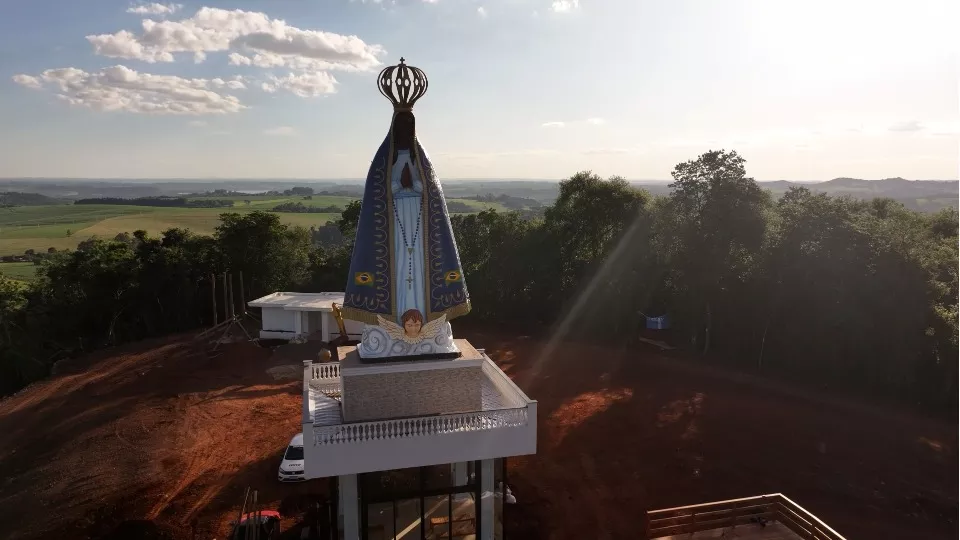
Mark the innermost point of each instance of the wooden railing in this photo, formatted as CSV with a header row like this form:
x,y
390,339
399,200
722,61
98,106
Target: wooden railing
x,y
735,513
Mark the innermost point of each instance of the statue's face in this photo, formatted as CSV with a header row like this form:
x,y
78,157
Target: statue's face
x,y
411,327
403,130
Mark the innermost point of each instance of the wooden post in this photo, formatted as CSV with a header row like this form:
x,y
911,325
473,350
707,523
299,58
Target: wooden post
x,y
243,297
213,297
226,299
246,495
233,304
256,516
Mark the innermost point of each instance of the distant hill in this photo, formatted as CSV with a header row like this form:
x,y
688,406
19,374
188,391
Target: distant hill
x,y
921,195
16,198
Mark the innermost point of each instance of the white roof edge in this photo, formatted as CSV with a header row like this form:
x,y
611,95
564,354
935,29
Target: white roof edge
x,y
495,370
282,298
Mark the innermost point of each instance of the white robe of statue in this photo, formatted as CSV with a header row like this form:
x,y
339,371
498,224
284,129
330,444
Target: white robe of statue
x,y
408,237
384,340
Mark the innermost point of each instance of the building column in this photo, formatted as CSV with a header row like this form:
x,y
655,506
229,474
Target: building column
x,y
486,500
349,506
458,472
326,322
297,323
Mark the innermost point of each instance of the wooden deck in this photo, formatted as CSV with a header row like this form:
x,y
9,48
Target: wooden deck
x,y
772,531
739,518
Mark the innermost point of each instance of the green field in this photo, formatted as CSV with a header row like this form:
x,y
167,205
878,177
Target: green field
x,y
266,202
65,226
21,271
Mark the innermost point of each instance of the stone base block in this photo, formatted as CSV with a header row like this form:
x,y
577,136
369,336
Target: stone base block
x,y
411,387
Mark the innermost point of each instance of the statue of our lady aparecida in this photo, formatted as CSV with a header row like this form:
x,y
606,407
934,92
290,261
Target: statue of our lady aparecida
x,y
405,280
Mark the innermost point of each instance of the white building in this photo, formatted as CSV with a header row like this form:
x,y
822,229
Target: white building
x,y
288,315
415,446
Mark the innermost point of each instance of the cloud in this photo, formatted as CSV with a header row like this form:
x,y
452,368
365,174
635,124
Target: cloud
x,y
497,155
564,6
608,151
280,131
155,9
272,42
236,83
482,12
197,123
909,126
237,59
29,81
592,121
119,88
302,84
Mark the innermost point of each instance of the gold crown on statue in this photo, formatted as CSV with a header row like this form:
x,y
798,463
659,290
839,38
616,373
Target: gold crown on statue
x,y
403,85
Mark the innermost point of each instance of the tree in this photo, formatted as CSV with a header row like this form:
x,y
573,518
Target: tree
x,y
593,244
719,224
271,255
494,264
349,219
12,301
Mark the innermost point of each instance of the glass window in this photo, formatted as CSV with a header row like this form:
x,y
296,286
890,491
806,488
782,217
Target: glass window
x,y
408,519
380,521
438,511
379,486
464,515
438,476
294,453
436,516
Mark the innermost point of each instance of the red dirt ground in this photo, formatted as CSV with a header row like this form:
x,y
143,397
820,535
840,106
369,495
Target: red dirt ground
x,y
155,440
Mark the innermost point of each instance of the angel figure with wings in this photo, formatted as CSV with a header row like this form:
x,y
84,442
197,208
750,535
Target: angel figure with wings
x,y
411,328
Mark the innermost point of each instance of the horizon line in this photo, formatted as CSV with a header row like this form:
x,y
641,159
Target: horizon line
x,y
166,180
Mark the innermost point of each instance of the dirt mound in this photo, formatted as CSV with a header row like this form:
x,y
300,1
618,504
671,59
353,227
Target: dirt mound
x,y
143,529
157,440
147,439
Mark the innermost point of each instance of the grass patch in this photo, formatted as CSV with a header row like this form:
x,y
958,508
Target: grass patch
x,y
20,271
43,227
267,202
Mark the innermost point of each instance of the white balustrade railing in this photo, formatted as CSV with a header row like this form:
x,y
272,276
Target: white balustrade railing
x,y
329,370
419,427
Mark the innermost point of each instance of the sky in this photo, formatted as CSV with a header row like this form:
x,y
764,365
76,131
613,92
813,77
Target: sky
x,y
540,89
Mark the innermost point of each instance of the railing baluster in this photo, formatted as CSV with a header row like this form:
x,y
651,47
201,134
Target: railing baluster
x,y
419,427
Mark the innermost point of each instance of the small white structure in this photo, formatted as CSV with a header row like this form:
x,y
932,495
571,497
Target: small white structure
x,y
288,315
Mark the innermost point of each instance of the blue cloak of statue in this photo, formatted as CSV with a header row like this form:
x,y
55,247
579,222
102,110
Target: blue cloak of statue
x,y
378,249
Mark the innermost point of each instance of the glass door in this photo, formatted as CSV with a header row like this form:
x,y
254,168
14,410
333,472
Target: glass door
x,y
421,503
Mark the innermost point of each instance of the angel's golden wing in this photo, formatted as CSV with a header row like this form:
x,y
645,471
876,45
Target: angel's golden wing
x,y
391,328
338,316
433,328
